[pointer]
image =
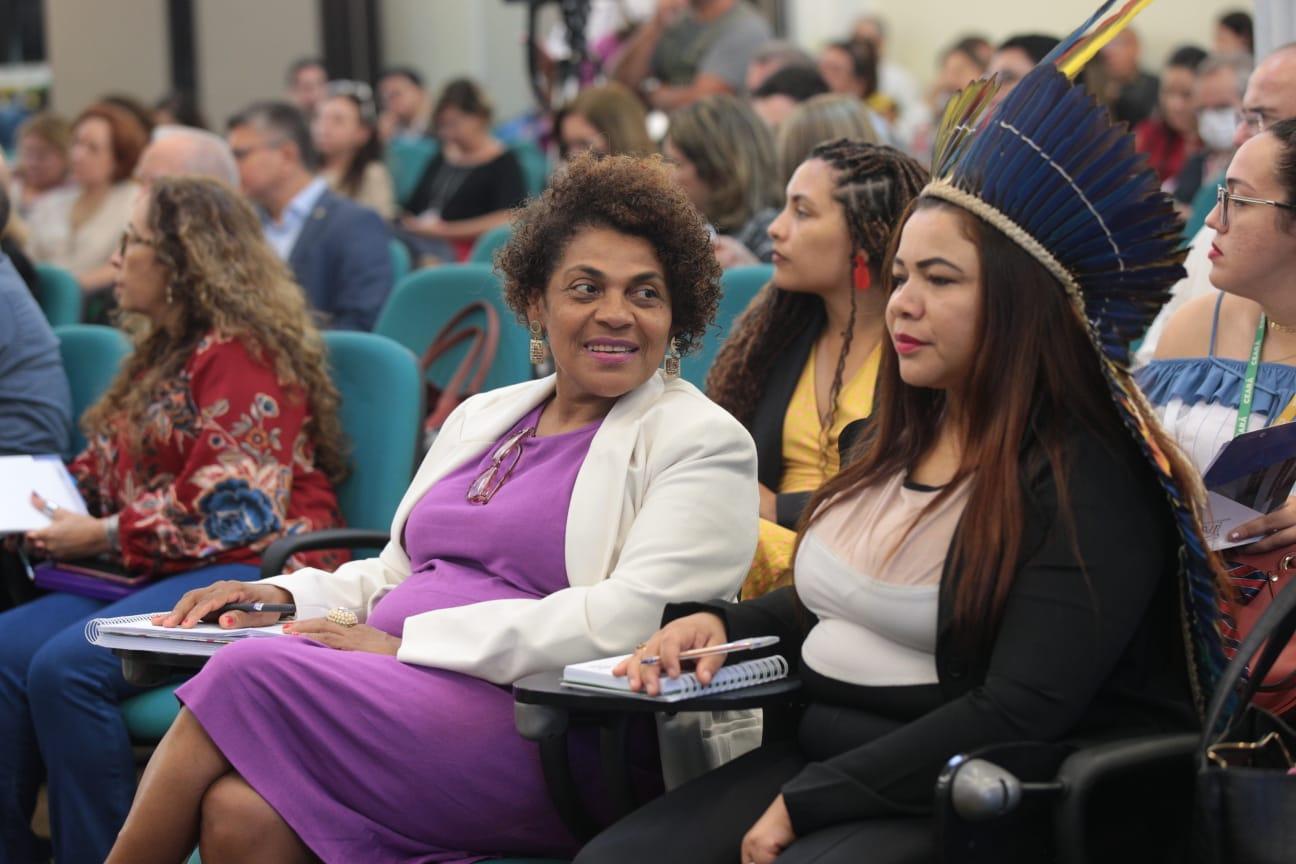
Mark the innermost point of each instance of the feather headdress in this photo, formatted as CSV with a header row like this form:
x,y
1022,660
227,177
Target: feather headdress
x,y
1047,167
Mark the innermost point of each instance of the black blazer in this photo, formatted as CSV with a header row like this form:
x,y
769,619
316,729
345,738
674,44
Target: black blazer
x,y
1088,646
766,425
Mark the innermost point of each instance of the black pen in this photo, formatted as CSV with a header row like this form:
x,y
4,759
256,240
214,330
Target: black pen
x,y
281,608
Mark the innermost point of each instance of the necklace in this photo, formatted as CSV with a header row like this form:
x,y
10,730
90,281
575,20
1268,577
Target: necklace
x,y
1281,328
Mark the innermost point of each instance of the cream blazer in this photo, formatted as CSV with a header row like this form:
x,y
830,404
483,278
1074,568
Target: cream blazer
x,y
664,509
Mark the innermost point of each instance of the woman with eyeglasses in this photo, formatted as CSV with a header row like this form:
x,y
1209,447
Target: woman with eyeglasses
x,y
219,435
345,132
549,524
1202,379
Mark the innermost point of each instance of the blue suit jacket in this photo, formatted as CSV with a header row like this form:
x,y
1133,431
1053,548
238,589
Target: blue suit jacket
x,y
342,262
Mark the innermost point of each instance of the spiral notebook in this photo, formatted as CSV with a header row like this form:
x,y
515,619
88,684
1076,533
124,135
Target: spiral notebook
x,y
138,633
596,675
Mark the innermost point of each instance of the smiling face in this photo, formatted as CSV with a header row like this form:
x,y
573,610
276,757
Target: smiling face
x,y
812,242
607,314
935,306
1253,257
139,279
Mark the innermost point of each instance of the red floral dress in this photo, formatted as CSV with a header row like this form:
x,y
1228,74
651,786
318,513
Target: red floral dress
x,y
224,468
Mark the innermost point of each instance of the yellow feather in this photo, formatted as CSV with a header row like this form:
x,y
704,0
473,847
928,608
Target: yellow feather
x,y
1072,65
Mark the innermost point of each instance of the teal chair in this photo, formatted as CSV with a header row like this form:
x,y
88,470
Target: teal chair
x,y
407,159
380,412
426,299
92,354
483,251
400,260
60,295
535,166
740,285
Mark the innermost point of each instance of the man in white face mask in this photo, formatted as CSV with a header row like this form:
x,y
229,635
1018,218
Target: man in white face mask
x,y
1221,79
1270,96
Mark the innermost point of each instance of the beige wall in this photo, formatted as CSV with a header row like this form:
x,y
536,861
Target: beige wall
x,y
244,48
920,29
96,47
444,39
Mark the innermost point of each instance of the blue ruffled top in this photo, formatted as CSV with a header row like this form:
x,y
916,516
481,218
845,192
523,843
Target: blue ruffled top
x,y
1217,380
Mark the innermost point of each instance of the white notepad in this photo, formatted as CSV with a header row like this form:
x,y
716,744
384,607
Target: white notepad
x,y
22,475
136,632
597,675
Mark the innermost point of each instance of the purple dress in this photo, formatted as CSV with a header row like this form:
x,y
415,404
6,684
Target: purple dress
x,y
371,759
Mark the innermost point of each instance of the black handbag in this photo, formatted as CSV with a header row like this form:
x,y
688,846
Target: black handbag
x,y
1246,777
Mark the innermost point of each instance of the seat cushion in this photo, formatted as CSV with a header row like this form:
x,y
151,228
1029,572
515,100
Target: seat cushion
x,y
150,714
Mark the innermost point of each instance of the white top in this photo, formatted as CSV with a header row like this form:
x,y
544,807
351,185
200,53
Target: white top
x,y
870,569
53,240
1202,429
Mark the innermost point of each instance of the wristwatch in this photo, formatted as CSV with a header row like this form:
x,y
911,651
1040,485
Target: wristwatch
x,y
110,531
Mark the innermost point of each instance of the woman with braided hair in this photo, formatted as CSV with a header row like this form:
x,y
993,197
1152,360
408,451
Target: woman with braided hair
x,y
801,361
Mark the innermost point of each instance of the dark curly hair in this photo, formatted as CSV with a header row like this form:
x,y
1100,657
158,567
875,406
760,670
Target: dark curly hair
x,y
874,184
632,195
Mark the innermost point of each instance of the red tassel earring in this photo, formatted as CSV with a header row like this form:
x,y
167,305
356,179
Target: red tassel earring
x,y
863,279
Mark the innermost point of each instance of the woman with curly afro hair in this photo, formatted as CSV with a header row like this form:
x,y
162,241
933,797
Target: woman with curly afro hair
x,y
800,363
550,523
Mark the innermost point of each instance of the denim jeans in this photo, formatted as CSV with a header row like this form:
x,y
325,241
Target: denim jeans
x,y
60,720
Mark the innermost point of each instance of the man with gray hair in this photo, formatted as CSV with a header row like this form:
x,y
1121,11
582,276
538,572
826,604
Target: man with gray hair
x,y
177,150
1270,96
337,249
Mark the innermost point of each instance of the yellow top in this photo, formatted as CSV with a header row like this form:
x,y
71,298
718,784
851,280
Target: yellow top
x,y
810,458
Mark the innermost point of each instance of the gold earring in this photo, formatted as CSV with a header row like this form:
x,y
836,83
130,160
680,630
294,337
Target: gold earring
x,y
672,365
537,344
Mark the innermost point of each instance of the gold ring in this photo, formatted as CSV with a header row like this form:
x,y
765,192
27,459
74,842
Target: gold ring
x,y
641,646
342,617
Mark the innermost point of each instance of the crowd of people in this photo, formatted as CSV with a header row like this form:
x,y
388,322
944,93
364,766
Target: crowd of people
x,y
951,454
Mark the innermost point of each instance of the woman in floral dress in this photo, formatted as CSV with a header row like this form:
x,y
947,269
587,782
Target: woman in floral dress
x,y
219,436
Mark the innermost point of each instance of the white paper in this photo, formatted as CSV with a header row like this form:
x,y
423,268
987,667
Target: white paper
x,y
22,475
1225,515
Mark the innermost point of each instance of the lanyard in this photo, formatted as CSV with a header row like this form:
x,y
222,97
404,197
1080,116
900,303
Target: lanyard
x,y
1248,386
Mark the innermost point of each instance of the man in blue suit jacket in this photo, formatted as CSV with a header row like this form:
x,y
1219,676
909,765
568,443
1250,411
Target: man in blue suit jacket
x,y
337,249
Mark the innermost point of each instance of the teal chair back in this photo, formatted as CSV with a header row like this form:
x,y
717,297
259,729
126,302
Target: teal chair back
x,y
407,158
535,166
60,295
92,354
483,251
378,381
740,285
426,299
400,260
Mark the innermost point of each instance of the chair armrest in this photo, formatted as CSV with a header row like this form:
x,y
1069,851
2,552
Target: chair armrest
x,y
277,555
544,711
1086,769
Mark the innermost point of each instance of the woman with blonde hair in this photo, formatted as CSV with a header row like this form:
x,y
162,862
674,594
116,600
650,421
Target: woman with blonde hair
x,y
608,120
826,117
724,161
219,436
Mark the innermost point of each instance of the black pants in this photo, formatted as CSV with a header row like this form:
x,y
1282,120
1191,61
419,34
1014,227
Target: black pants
x,y
704,821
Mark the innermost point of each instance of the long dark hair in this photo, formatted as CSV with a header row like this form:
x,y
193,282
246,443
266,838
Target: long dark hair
x,y
370,151
1036,377
874,185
